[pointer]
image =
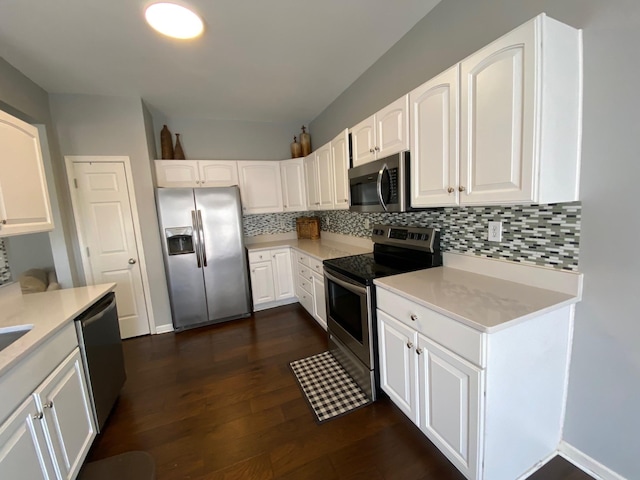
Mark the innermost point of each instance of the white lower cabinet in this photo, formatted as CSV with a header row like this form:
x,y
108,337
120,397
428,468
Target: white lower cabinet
x,y
492,402
49,435
271,278
449,398
310,286
319,305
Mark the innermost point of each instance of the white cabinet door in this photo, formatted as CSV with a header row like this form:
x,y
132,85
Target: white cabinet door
x,y
392,128
450,400
340,165
311,181
498,111
319,305
294,193
260,186
68,419
397,344
218,173
262,286
434,113
324,177
363,141
23,446
177,173
24,199
282,274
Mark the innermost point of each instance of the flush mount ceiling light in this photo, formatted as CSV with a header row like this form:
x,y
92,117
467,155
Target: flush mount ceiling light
x,y
174,20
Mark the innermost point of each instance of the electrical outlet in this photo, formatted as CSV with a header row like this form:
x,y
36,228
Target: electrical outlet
x,y
366,224
495,232
282,224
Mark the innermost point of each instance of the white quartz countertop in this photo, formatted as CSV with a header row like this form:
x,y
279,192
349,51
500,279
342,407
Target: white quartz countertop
x,y
485,303
320,249
48,312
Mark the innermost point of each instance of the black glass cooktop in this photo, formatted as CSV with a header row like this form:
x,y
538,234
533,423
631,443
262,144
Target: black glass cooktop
x,y
365,268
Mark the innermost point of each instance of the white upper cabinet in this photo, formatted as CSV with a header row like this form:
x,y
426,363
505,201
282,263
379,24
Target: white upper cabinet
x,y
324,177
382,134
520,112
260,186
294,193
196,173
218,173
434,117
340,165
311,181
24,199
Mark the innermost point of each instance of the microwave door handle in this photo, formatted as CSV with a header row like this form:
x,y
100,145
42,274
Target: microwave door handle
x,y
203,247
196,236
379,185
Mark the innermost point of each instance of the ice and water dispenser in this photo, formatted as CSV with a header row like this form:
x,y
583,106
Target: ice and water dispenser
x,y
179,240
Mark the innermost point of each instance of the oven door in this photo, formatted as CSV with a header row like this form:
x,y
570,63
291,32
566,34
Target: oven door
x,y
349,315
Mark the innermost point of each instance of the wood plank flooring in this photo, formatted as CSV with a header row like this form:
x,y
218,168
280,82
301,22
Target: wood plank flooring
x,y
220,402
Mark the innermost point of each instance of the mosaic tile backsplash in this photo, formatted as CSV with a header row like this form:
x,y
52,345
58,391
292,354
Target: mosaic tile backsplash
x,y
5,273
547,235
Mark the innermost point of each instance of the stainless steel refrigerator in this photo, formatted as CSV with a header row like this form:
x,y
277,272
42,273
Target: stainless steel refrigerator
x,y
204,254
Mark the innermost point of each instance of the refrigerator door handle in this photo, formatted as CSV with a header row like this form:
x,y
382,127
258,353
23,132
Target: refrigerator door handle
x,y
202,242
196,236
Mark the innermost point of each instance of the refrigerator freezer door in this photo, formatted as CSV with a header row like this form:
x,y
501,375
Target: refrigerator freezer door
x,y
225,273
184,275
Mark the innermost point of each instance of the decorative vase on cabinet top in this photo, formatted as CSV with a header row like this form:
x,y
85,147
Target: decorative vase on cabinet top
x,y
296,150
305,142
166,144
178,153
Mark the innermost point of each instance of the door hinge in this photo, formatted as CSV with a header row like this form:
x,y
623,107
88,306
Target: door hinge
x,y
88,253
75,182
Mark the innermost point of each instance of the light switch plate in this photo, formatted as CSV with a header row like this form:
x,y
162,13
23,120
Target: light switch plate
x,y
495,232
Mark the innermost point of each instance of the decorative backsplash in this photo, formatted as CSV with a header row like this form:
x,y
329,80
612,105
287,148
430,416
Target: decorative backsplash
x,y
547,235
5,273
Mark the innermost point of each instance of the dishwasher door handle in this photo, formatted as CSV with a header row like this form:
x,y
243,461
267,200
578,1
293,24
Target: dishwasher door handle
x,y
100,314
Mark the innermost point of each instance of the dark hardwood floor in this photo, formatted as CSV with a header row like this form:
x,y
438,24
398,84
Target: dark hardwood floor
x,y
220,402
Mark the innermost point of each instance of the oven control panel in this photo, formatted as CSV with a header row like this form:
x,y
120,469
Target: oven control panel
x,y
420,238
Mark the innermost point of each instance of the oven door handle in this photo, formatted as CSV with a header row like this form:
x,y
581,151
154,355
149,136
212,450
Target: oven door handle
x,y
348,285
379,185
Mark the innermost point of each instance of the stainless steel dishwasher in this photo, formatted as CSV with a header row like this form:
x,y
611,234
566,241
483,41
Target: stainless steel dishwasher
x,y
102,355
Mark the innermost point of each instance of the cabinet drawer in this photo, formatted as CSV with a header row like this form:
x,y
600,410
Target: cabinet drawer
x,y
259,256
306,300
316,265
302,258
460,339
304,271
305,284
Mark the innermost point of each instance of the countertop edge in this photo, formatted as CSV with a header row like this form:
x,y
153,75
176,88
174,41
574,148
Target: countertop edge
x,y
470,323
34,342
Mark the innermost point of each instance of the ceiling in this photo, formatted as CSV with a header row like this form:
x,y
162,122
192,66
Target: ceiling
x,y
268,61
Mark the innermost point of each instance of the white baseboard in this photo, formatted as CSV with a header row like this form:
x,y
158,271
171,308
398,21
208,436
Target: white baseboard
x,y
278,303
586,463
166,328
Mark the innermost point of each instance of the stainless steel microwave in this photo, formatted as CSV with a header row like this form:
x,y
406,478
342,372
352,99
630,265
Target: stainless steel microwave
x,y
381,185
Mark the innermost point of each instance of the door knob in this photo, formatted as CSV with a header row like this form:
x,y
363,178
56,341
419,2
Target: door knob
x,y
132,261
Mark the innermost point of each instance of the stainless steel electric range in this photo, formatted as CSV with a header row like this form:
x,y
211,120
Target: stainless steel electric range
x,y
351,300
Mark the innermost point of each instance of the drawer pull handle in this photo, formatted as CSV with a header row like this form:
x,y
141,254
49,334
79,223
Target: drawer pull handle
x,y
418,351
414,317
409,344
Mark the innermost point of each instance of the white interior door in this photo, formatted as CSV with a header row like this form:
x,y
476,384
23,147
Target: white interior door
x,y
106,222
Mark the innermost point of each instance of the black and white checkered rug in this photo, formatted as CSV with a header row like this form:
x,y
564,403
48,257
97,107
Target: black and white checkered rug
x,y
329,389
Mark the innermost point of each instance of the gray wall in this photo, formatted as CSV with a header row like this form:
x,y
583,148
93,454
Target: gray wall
x,y
209,139
22,98
98,125
29,251
602,417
